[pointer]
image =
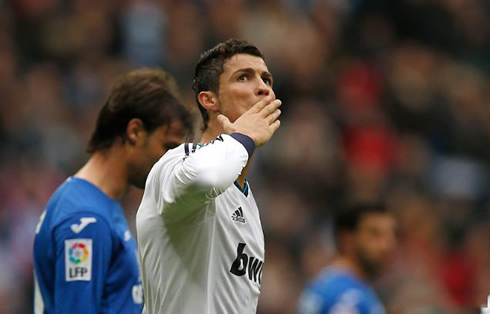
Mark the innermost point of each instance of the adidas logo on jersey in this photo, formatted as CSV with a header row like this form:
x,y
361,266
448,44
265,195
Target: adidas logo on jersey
x,y
238,216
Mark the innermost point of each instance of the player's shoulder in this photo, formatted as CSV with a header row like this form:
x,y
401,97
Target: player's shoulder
x,y
332,281
76,198
79,193
334,290
168,161
176,155
84,224
187,149
316,295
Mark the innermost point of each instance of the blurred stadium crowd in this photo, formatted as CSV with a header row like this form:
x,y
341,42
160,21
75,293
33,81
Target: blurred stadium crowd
x,y
381,99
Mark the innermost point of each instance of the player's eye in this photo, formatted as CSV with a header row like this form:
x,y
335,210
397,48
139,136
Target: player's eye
x,y
243,77
267,81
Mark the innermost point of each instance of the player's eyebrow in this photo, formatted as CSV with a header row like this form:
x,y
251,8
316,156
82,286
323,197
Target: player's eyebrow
x,y
245,70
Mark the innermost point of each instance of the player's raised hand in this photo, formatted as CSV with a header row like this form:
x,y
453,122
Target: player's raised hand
x,y
259,123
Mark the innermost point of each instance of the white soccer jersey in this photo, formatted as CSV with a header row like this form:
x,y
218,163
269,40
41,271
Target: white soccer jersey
x,y
201,244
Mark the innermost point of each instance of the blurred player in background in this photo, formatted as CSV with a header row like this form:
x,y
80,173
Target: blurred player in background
x,y
84,254
366,240
200,237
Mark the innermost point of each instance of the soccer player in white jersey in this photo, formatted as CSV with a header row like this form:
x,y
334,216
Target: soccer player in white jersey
x,y
201,244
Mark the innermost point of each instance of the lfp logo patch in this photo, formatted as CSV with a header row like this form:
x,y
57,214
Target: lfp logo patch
x,y
78,253
78,259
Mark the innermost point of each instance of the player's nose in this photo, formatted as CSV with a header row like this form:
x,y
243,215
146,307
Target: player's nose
x,y
263,89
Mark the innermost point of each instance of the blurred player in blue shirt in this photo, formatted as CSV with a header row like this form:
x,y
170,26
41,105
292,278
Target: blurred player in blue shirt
x,y
85,257
366,240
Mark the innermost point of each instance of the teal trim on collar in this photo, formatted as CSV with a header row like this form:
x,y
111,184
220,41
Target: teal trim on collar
x,y
244,190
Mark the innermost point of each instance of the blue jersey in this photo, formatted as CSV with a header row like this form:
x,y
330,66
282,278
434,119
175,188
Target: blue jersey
x,y
84,254
337,291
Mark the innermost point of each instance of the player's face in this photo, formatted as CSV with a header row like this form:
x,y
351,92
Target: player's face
x,y
245,81
375,242
154,146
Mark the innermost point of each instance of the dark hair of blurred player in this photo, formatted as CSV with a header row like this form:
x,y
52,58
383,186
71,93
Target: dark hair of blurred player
x,y
365,238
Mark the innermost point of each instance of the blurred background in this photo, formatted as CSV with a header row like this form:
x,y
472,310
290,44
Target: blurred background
x,y
381,99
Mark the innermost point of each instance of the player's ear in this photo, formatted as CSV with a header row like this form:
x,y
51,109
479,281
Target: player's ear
x,y
208,100
135,131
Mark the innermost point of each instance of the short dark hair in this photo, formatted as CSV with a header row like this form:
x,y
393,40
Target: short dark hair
x,y
210,67
147,94
349,217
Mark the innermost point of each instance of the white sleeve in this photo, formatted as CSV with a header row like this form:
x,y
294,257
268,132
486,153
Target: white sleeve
x,y
203,173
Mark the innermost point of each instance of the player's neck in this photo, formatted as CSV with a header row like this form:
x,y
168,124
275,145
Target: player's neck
x,y
348,264
243,175
108,172
211,132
